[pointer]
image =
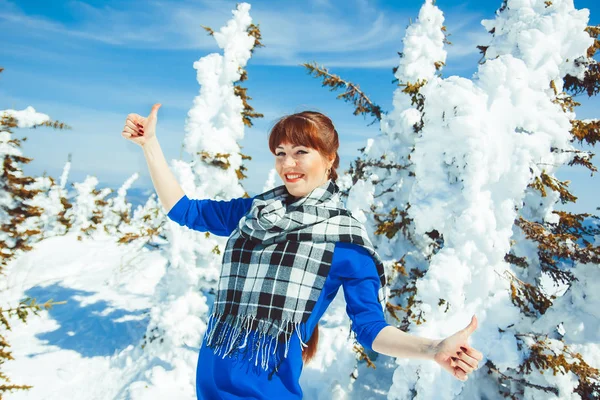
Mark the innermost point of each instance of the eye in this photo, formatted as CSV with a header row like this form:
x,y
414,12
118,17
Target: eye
x,y
302,151
279,153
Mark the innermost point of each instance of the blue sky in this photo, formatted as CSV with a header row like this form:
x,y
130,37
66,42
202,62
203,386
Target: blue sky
x,y
90,63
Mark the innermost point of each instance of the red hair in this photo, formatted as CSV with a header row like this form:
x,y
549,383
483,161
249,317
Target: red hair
x,y
311,129
315,130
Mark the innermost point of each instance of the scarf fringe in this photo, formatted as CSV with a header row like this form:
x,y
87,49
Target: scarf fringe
x,y
228,335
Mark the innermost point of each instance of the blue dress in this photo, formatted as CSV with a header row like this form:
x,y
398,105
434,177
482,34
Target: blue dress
x,y
352,268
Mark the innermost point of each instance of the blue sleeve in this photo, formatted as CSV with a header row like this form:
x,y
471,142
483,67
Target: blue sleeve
x,y
360,281
215,216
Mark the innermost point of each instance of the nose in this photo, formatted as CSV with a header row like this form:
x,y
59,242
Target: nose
x,y
289,161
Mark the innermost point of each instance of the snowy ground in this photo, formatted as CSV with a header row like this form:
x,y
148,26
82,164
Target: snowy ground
x,y
78,350
66,351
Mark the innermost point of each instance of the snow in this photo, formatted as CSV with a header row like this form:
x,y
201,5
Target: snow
x,y
136,311
270,183
27,118
424,41
482,141
107,290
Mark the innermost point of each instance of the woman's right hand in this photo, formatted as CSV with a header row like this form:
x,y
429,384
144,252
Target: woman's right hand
x,y
140,129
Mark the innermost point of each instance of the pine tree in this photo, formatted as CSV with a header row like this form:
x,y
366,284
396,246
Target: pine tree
x,y
16,233
88,210
21,312
147,225
214,126
384,170
417,227
52,199
15,187
565,244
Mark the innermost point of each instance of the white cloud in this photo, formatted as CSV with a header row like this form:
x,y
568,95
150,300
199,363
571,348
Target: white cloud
x,y
309,32
116,94
36,26
291,34
359,62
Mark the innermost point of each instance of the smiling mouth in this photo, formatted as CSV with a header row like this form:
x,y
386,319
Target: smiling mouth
x,y
293,177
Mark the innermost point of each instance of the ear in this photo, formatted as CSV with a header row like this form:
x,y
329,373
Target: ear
x,y
331,161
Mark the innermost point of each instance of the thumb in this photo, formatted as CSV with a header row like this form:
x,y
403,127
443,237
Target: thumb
x,y
472,325
154,111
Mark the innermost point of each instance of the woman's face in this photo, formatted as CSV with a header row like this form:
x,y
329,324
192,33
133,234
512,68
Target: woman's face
x,y
301,168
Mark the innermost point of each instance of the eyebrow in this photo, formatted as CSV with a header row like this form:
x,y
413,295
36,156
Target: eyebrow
x,y
293,147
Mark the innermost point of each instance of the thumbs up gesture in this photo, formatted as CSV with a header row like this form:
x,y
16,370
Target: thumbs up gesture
x,y
140,129
455,355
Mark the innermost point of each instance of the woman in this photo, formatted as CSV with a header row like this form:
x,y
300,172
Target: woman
x,y
289,251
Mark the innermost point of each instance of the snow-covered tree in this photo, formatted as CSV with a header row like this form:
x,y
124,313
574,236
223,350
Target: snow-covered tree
x,y
166,360
459,192
52,199
147,224
117,210
17,234
15,191
88,206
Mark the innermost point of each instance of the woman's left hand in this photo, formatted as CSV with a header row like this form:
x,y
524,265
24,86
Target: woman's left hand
x,y
455,355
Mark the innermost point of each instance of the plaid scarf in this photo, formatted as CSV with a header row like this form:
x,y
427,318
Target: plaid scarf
x,y
274,266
